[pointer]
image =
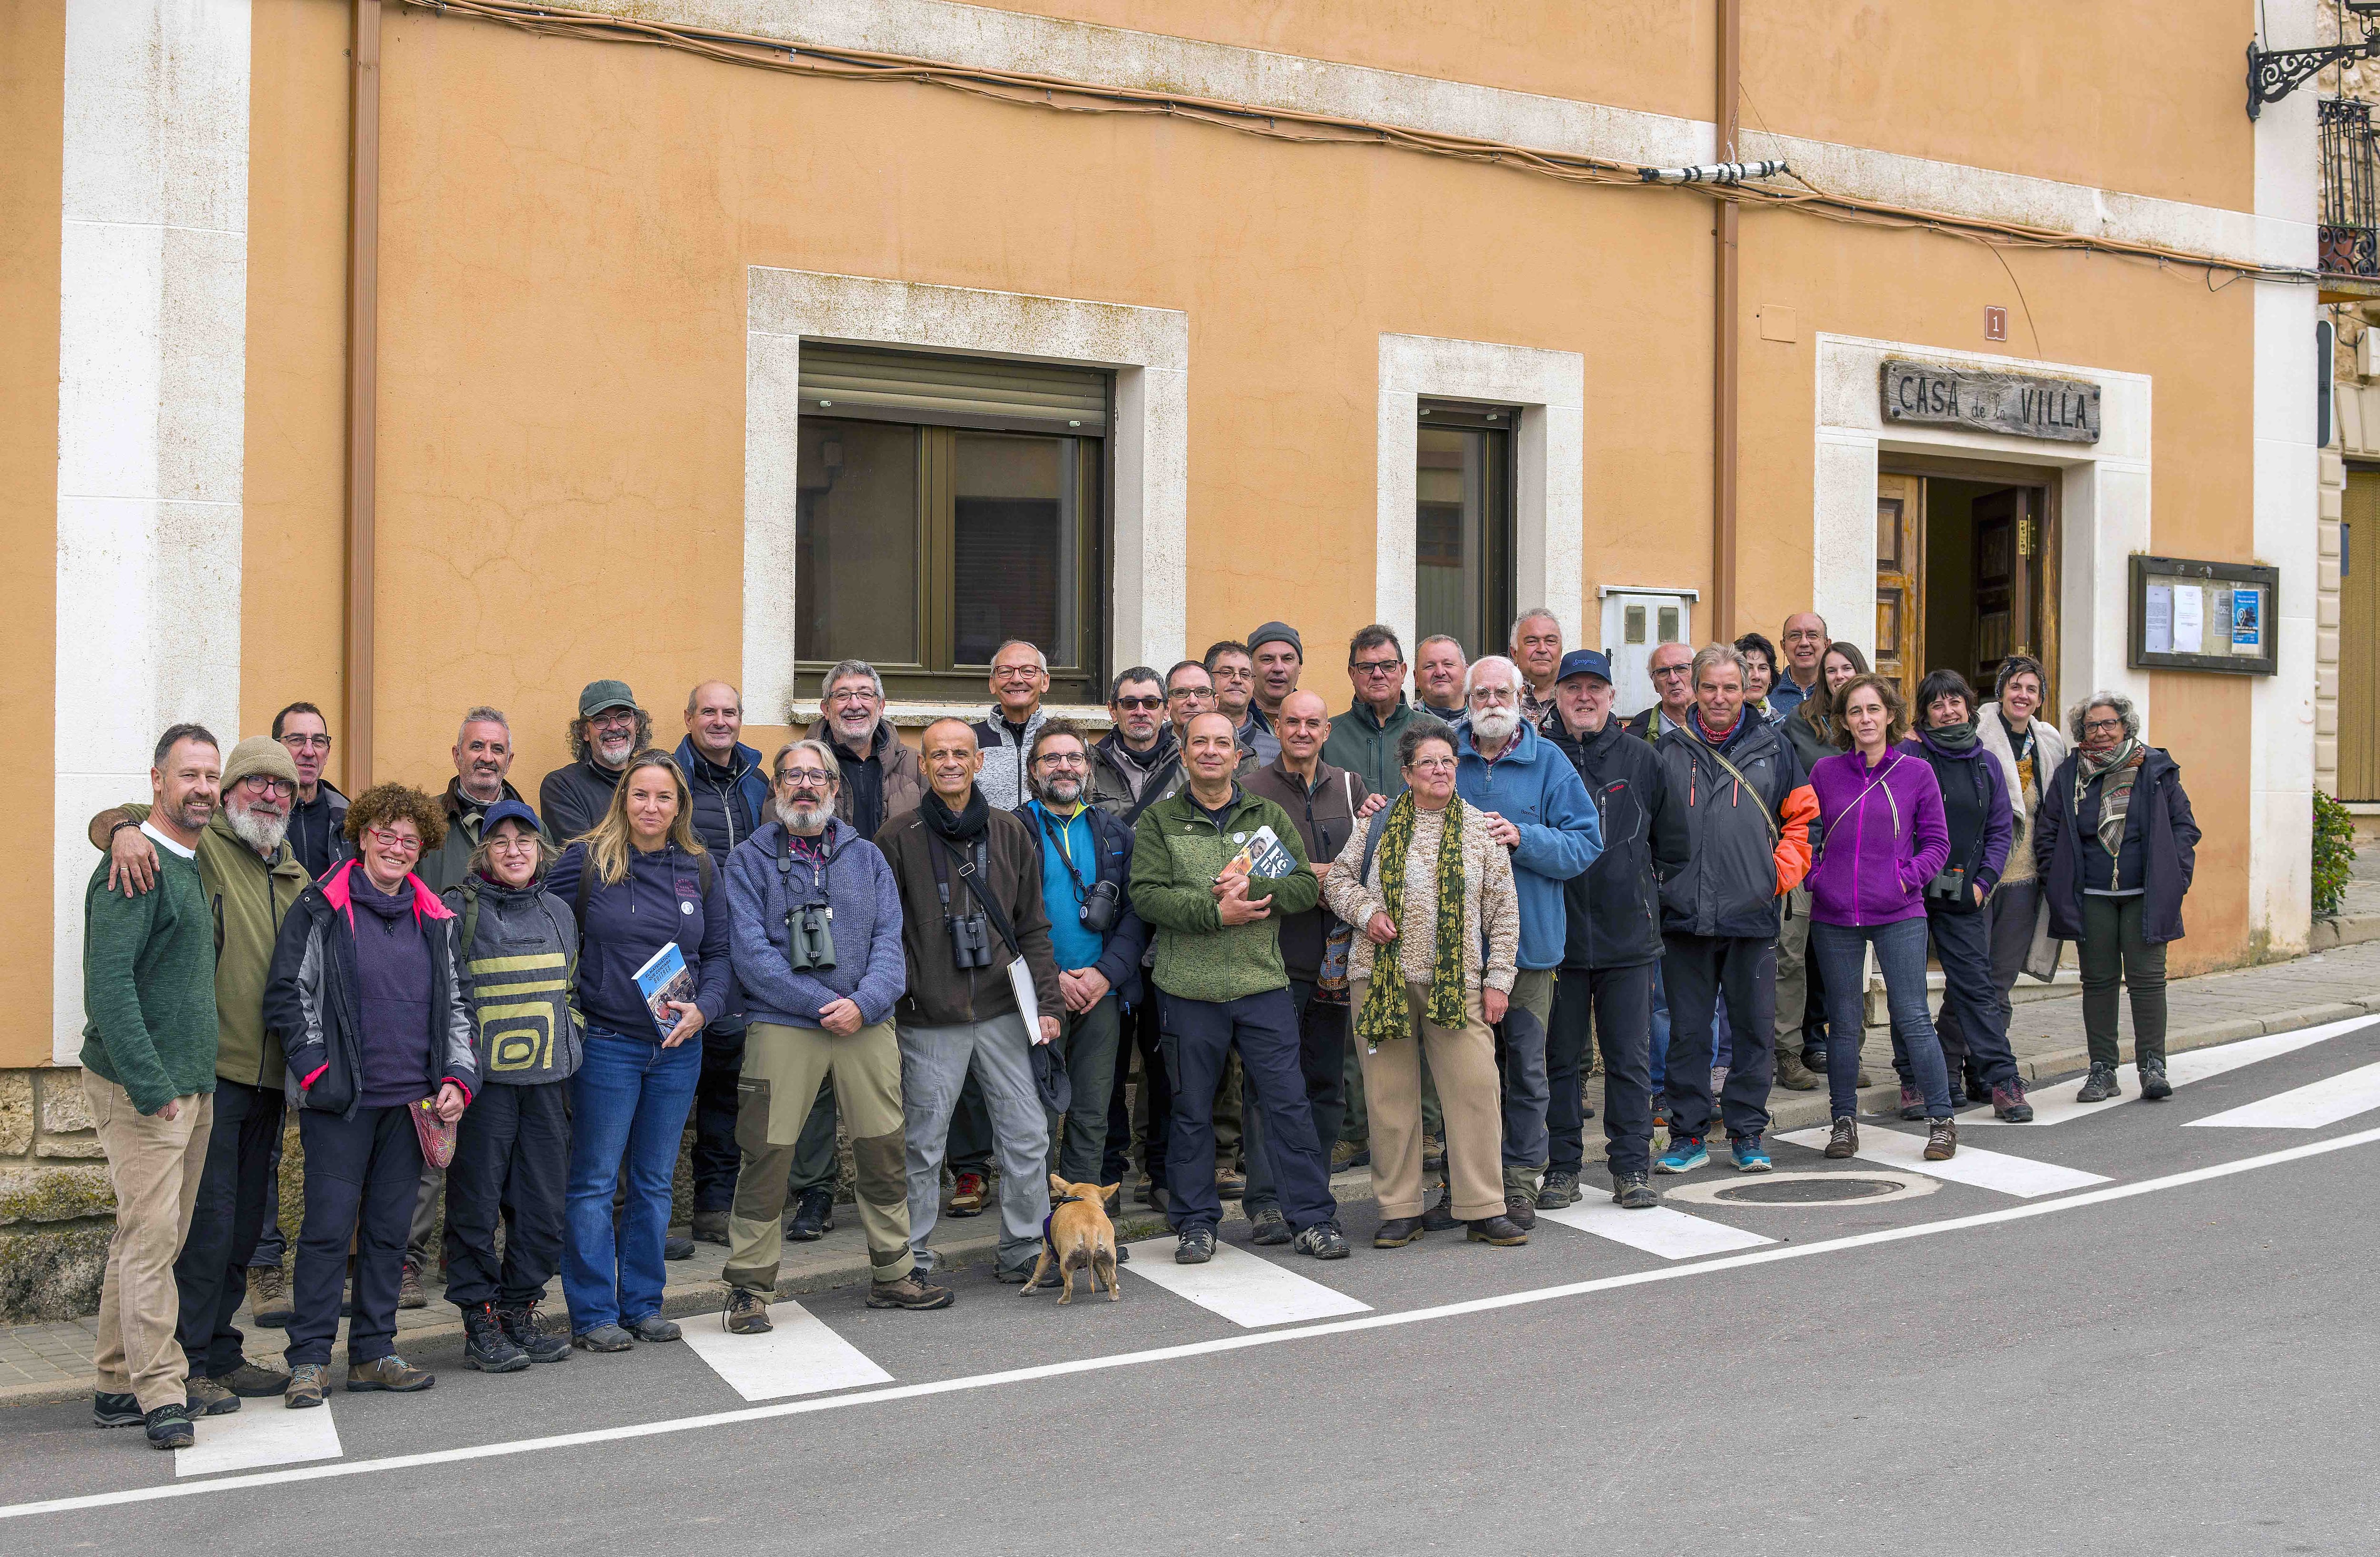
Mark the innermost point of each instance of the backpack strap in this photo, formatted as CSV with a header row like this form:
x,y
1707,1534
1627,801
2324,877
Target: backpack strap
x,y
586,885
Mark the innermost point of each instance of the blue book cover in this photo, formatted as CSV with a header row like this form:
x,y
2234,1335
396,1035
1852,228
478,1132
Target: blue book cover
x,y
665,978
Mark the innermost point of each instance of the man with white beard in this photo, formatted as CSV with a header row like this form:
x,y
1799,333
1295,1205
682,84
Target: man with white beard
x,y
814,930
609,730
1537,807
250,878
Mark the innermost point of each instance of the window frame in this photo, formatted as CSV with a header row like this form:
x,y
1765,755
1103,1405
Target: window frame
x,y
1494,594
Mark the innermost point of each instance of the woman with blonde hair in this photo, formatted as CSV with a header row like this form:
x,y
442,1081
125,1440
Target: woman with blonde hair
x,y
635,883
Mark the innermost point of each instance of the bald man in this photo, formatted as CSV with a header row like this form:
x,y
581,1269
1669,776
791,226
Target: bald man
x,y
1804,643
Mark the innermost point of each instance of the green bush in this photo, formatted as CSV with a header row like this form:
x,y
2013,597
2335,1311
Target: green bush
x,y
2334,850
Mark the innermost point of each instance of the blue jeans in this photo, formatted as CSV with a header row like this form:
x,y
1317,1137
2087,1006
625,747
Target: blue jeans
x,y
1837,950
629,1099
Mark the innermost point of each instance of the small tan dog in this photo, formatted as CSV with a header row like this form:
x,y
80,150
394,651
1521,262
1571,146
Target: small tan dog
x,y
1077,1235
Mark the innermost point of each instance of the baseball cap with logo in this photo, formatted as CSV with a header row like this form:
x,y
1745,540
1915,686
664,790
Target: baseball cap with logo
x,y
1585,662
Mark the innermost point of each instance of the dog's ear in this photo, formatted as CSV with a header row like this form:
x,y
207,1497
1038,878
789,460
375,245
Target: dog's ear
x,y
1107,1191
1059,1185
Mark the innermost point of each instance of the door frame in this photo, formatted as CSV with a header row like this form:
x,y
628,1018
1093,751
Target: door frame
x,y
2046,479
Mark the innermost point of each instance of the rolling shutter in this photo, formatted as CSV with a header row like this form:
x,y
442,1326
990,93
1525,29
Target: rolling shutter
x,y
843,380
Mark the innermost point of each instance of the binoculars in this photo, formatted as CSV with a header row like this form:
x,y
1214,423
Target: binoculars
x,y
810,938
970,939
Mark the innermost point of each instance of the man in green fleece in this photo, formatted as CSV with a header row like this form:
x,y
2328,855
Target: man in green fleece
x,y
1209,882
149,1074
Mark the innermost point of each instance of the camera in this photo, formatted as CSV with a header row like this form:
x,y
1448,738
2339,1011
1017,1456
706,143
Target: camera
x,y
970,939
1950,886
810,938
1099,908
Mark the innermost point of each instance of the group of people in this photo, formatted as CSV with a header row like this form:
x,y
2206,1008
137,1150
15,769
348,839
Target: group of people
x,y
1399,935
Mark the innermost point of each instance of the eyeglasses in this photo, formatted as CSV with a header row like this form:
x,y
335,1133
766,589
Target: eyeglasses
x,y
802,780
1242,673
1146,705
1433,765
1190,692
615,719
1493,694
306,743
393,841
2101,726
1668,671
264,784
1376,667
1014,673
1062,760
854,695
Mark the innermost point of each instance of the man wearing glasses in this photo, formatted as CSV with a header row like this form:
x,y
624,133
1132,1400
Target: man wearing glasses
x,y
1803,642
1364,740
251,877
609,730
318,823
1672,667
1139,751
1020,679
879,777
1232,669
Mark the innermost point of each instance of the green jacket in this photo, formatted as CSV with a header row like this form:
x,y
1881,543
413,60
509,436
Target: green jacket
x,y
1367,749
246,900
1177,852
148,985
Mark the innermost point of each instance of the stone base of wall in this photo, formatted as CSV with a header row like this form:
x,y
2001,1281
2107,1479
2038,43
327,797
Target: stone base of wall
x,y
58,1209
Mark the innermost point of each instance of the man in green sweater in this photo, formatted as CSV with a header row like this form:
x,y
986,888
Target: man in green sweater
x,y
149,1073
1208,882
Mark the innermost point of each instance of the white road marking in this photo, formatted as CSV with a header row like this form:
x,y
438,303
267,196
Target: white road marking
x,y
2056,1105
1985,1169
1245,1288
1672,1235
261,1433
2326,1102
751,1414
802,1356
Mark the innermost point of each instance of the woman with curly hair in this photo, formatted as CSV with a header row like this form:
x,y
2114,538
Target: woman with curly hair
x,y
366,997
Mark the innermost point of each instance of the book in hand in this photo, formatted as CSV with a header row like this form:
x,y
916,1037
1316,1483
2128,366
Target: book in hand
x,y
1263,855
665,978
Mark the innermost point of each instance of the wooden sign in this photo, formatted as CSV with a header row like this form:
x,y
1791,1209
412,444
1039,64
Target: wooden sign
x,y
2020,403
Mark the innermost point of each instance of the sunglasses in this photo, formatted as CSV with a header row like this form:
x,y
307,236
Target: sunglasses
x,y
1146,705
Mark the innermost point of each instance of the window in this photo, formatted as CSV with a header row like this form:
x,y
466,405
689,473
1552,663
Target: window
x,y
949,505
1463,490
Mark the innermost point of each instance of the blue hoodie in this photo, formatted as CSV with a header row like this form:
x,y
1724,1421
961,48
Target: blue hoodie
x,y
660,899
866,902
1534,786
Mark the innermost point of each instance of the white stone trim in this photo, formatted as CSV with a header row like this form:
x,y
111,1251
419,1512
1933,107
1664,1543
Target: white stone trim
x,y
153,357
1549,492
1148,348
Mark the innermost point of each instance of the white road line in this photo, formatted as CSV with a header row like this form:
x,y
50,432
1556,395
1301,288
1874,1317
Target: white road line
x,y
1245,1288
261,1433
1672,1235
751,1414
2056,1105
1985,1169
802,1356
2326,1102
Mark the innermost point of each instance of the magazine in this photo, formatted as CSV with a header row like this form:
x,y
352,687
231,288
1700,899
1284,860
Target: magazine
x,y
1264,856
665,978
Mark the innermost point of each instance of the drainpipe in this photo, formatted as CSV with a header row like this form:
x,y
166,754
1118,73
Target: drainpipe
x,y
363,388
1725,343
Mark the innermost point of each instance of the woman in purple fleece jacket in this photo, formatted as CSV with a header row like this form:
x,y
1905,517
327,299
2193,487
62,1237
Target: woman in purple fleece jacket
x,y
1880,812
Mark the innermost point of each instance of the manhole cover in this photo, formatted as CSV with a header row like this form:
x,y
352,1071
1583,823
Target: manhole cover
x,y
1807,1191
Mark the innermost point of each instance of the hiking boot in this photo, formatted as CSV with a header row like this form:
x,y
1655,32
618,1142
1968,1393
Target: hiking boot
x,y
2099,1085
169,1426
1397,1232
522,1329
2155,1088
116,1410
1197,1246
912,1291
1349,1154
746,1312
1559,1189
1814,1056
711,1227
1012,1275
1521,1208
1843,1141
392,1373
1913,1102
1976,1091
1440,1217
305,1386
1633,1192
677,1246
604,1338
967,1196
1230,1183
1685,1154
1793,1074
655,1329
208,1398
252,1382
1942,1140
1433,1155
2008,1102
1270,1226
1498,1231
268,1297
409,1288
813,1218
1323,1241
486,1347
1750,1157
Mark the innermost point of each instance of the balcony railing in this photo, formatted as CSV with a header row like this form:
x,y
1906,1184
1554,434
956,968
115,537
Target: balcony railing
x,y
2351,190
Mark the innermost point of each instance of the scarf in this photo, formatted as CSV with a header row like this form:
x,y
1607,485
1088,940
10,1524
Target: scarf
x,y
1717,743
1957,740
1387,1015
961,826
2120,769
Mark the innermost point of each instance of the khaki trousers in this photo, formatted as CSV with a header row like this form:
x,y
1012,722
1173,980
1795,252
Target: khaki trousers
x,y
1463,1060
154,1165
783,1068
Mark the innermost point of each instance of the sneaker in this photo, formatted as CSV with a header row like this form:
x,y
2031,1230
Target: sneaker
x,y
305,1386
604,1338
967,1196
2099,1085
1500,1232
1433,1155
1633,1192
912,1291
654,1328
746,1312
268,1297
486,1347
1559,1189
1793,1076
392,1373
1270,1227
676,1247
1521,1208
1942,1140
1397,1232
520,1325
409,1288
1750,1157
2008,1102
1323,1241
116,1410
1913,1102
813,1218
169,1426
208,1398
1843,1141
1196,1247
2155,1088
251,1381
1440,1217
1685,1154
711,1227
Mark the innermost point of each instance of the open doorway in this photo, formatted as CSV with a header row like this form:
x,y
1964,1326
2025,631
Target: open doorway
x,y
1965,571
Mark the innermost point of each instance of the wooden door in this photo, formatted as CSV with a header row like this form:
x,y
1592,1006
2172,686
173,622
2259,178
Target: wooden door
x,y
1900,582
2359,638
2006,535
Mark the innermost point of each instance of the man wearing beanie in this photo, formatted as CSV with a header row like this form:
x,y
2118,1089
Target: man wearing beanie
x,y
1279,658
251,877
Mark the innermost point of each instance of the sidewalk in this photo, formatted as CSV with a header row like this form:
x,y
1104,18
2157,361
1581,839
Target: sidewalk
x,y
52,1362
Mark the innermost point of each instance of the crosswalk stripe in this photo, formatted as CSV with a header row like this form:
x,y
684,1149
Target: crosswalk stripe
x,y
1243,1288
1669,1233
2326,1102
2056,1105
261,1433
1983,1170
802,1356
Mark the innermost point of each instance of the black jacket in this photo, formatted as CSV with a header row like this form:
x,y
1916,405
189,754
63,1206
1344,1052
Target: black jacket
x,y
573,800
1119,961
2160,813
1736,860
1614,910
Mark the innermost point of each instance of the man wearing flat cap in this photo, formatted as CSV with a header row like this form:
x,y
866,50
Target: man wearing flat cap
x,y
609,730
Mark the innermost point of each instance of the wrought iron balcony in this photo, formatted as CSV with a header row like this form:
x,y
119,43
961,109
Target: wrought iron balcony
x,y
2351,190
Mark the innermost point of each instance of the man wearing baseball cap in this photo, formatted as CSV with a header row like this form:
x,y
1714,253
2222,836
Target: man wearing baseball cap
x,y
609,730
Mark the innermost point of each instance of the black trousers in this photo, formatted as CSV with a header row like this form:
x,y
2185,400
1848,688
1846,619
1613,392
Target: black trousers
x,y
1699,971
1141,1036
715,1157
1973,1026
1612,1006
512,1159
1322,1056
211,1273
360,1174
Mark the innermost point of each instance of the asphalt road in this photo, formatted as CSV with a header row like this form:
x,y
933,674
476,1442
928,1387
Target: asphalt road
x,y
2178,1359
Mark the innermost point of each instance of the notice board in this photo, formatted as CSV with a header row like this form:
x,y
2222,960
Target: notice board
x,y
2204,615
